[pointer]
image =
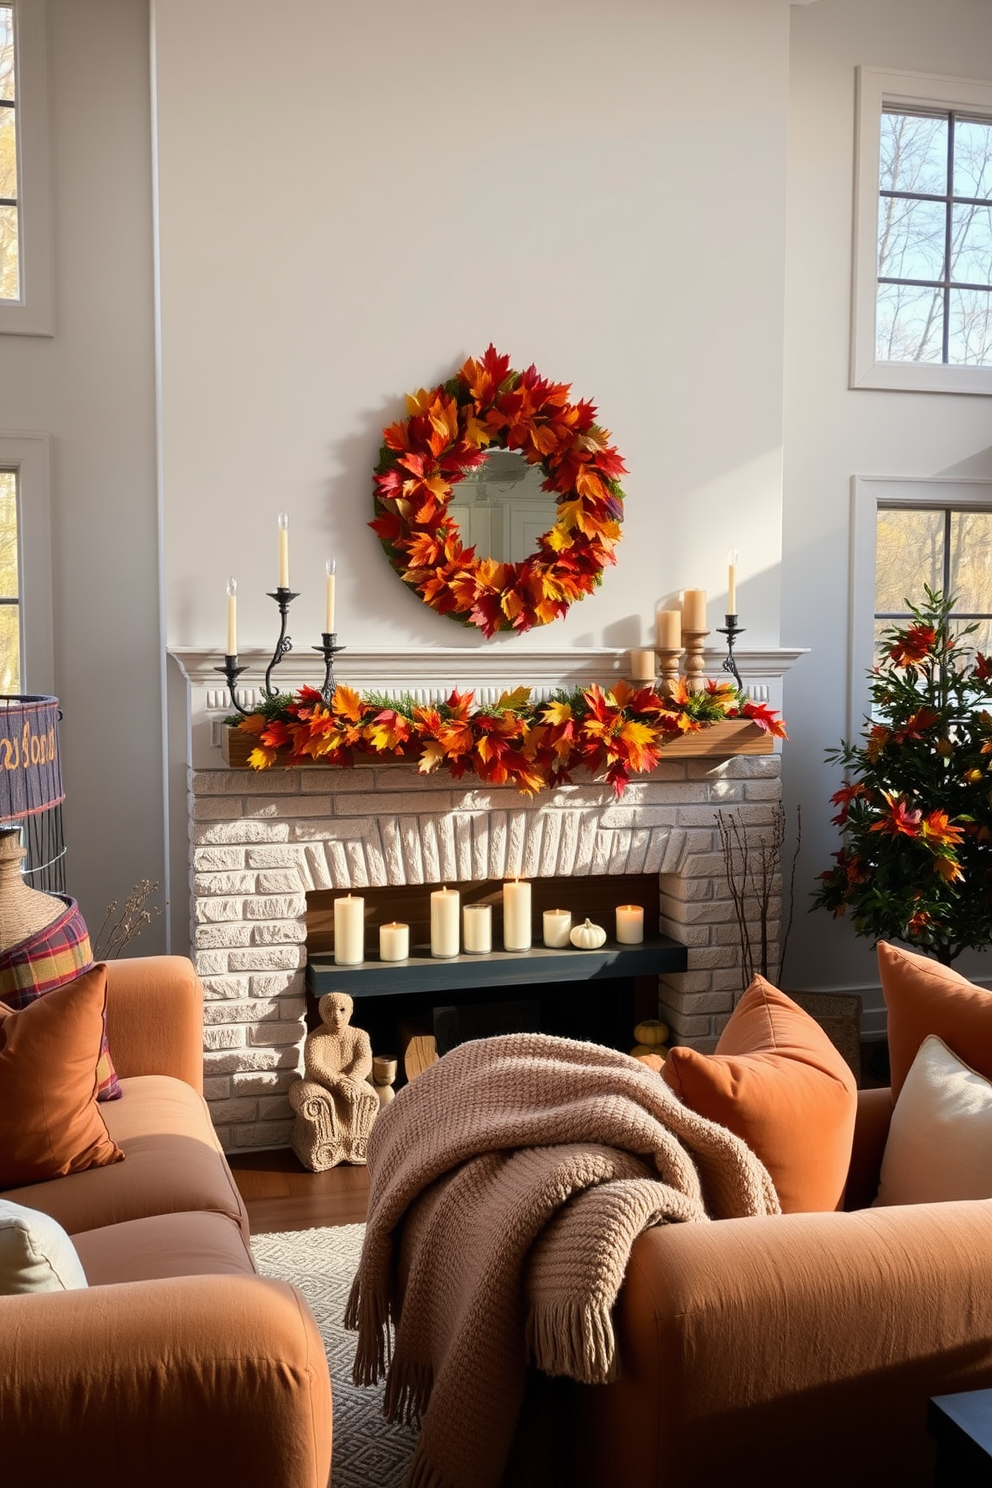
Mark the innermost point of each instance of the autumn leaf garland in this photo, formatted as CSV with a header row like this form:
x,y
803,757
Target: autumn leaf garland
x,y
447,432
617,732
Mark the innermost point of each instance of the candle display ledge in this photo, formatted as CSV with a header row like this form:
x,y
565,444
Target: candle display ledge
x,y
422,972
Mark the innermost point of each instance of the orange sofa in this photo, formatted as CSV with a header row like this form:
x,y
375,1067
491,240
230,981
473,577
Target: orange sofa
x,y
796,1349
178,1364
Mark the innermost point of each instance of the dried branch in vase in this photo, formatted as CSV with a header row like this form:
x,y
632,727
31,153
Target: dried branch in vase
x,y
753,866
117,934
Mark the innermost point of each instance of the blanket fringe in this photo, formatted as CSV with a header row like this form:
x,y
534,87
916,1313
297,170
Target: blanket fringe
x,y
425,1475
408,1391
565,1338
368,1314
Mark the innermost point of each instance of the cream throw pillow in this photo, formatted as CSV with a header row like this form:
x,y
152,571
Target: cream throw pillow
x,y
36,1254
939,1145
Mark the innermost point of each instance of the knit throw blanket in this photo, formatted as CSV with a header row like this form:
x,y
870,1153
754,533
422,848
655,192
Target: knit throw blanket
x,y
516,1173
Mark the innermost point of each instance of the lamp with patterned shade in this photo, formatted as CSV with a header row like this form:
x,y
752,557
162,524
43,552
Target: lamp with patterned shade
x,y
31,782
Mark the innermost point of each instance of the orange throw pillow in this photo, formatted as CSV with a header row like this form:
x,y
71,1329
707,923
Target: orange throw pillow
x,y
923,997
50,1123
777,1082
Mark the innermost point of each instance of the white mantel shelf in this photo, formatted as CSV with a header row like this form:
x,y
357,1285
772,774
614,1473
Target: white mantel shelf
x,y
430,674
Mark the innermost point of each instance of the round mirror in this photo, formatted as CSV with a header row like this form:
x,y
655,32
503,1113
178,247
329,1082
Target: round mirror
x,y
502,508
497,499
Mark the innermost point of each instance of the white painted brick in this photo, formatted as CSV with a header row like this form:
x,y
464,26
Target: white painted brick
x,y
233,1061
217,1089
262,1082
233,1110
703,865
274,1108
354,851
267,958
693,1003
685,1027
287,808
694,935
396,803
711,958
276,907
246,1011
619,853
204,835
274,881
279,932
218,859
533,839
211,782
224,1036
726,980
704,816
274,857
225,988
694,912
271,782
219,937
480,845
413,858
321,829
277,984
271,1035
210,963
691,888
754,767
217,911
763,790
215,808
676,847
263,1134
314,782
684,982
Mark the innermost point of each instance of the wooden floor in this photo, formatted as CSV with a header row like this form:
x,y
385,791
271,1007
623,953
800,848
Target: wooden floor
x,y
280,1194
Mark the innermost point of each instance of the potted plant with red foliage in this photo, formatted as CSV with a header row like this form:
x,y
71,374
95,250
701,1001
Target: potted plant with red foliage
x,y
915,810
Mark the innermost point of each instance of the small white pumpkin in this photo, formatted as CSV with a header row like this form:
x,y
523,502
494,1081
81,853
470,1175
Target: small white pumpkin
x,y
588,937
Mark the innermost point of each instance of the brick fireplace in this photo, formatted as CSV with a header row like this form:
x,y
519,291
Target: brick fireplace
x,y
261,841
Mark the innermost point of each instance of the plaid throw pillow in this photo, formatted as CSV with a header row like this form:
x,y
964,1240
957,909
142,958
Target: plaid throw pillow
x,y
52,957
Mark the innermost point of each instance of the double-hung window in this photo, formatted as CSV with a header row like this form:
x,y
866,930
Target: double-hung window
x,y
25,248
923,269
910,535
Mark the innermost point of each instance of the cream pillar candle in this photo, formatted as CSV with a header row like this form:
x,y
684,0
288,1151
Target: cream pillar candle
x,y
642,666
630,924
394,941
283,550
516,916
477,928
445,905
668,630
349,931
557,928
232,617
694,609
731,581
331,568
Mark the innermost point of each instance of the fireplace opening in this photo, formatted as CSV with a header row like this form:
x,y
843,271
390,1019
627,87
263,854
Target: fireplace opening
x,y
597,996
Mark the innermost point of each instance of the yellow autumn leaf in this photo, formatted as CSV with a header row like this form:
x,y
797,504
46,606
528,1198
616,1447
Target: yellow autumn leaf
x,y
261,758
419,401
432,756
557,713
518,698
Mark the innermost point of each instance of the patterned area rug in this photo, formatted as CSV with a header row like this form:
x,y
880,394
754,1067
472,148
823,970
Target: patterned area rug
x,y
368,1451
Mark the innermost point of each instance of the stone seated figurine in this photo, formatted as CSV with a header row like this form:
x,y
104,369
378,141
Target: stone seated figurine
x,y
334,1103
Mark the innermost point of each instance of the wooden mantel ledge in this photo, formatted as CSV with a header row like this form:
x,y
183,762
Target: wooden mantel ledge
x,y
719,741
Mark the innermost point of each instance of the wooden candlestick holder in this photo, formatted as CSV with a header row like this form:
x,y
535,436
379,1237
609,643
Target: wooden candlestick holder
x,y
695,640
668,665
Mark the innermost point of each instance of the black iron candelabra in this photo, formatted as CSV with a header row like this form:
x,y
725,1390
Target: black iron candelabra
x,y
328,648
731,630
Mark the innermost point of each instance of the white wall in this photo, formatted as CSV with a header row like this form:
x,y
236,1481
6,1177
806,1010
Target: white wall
x,y
91,387
833,433
355,197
